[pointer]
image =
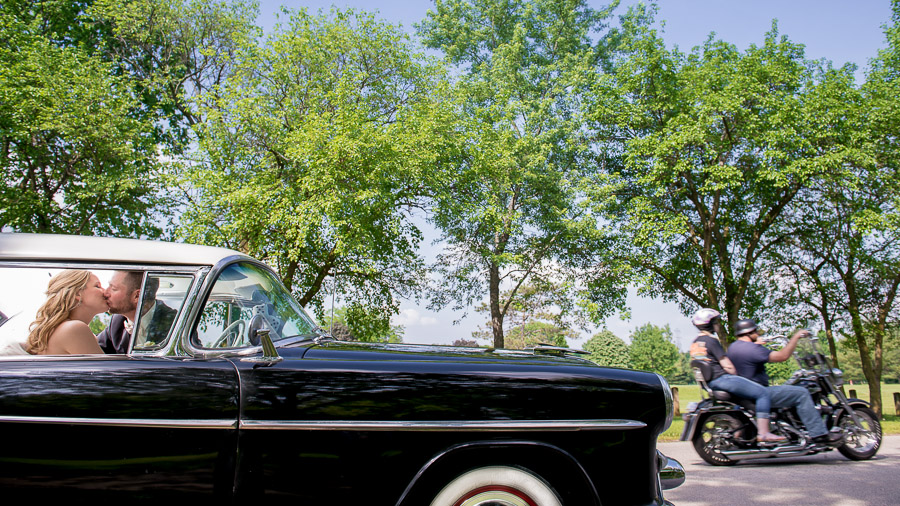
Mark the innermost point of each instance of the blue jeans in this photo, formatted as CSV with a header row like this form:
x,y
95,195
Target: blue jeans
x,y
786,396
748,389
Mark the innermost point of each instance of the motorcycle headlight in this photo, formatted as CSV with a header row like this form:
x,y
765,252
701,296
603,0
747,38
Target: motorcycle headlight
x,y
838,376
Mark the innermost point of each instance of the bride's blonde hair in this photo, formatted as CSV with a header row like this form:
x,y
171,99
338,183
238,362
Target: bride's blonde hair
x,y
63,293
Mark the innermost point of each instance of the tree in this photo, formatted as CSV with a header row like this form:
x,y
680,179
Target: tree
x,y
805,291
512,211
174,51
706,152
536,332
352,323
653,349
850,229
75,158
608,349
313,159
97,107
852,366
541,312
684,373
779,372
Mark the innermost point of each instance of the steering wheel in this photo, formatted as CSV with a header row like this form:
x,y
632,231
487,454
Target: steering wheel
x,y
231,334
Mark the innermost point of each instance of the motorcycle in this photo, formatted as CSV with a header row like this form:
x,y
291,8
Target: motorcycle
x,y
722,427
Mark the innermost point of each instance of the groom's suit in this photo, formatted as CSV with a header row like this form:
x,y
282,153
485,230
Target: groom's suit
x,y
116,339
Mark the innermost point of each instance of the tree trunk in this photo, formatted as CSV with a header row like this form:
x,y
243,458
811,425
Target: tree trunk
x,y
872,376
832,348
496,314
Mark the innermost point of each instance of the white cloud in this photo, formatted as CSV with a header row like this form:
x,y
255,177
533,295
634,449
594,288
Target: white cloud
x,y
413,318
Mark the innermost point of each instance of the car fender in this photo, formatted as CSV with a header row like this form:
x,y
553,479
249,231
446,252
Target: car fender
x,y
548,461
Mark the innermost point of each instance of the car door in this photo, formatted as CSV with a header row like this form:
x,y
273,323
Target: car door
x,y
139,427
290,451
101,427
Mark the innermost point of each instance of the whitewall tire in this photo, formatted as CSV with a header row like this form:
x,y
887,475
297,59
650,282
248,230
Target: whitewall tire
x,y
497,486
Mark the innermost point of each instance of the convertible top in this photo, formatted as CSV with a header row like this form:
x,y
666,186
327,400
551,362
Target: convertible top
x,y
106,249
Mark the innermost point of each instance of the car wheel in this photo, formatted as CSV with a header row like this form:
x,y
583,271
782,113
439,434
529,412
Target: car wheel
x,y
497,485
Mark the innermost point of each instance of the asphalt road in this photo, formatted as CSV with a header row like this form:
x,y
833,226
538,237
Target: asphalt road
x,y
826,479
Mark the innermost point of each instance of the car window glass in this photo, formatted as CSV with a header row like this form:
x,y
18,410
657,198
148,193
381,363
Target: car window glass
x,y
162,299
245,299
24,291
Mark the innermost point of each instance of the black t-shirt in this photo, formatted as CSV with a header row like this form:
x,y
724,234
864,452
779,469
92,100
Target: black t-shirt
x,y
709,349
750,360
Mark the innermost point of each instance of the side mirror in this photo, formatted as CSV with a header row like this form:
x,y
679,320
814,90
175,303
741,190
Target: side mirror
x,y
270,354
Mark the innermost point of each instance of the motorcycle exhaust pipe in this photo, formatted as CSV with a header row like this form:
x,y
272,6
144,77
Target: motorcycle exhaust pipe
x,y
762,453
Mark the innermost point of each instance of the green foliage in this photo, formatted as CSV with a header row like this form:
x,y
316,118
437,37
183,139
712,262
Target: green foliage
x,y
846,241
511,209
98,323
76,158
533,333
95,100
608,349
173,51
779,372
540,313
851,365
565,161
881,90
653,349
684,373
355,323
706,152
314,154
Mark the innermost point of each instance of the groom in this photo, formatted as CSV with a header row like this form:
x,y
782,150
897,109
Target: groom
x,y
122,295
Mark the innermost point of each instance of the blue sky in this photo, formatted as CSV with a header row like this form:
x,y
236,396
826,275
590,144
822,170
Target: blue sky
x,y
839,31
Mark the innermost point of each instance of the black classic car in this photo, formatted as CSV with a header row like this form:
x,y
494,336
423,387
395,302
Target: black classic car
x,y
238,394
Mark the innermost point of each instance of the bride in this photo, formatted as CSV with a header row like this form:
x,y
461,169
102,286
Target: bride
x,y
61,327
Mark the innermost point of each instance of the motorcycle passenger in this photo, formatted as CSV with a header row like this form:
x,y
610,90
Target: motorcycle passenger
x,y
750,358
708,348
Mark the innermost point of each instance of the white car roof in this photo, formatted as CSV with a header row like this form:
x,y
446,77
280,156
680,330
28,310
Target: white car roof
x,y
106,249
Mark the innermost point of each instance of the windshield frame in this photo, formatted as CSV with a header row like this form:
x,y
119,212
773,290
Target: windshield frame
x,y
203,295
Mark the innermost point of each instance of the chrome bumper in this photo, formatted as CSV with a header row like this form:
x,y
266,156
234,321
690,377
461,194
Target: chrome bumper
x,y
671,473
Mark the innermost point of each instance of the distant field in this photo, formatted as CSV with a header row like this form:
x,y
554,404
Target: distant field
x,y
890,424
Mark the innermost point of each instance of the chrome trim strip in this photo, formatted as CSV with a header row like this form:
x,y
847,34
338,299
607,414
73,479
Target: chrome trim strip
x,y
124,422
347,425
445,425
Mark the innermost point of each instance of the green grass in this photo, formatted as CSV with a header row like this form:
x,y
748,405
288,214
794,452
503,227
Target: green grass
x,y
889,425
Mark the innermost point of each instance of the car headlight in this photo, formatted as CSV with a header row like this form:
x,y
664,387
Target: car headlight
x,y
670,402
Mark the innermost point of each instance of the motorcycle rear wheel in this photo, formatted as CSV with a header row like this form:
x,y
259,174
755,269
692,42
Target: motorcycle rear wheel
x,y
862,442
715,434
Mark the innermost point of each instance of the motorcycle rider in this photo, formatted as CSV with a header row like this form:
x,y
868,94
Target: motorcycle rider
x,y
750,358
708,348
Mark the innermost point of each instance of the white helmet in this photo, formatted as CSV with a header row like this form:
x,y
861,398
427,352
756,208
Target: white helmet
x,y
704,317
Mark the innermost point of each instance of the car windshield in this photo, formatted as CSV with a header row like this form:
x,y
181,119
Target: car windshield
x,y
245,299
